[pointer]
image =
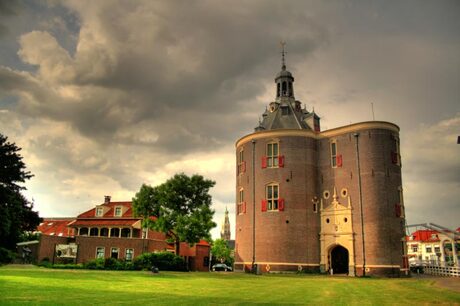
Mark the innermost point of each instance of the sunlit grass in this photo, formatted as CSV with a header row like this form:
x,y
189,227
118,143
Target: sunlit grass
x,y
34,285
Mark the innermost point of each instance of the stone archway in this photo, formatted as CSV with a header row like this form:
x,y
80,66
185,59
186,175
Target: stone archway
x,y
339,260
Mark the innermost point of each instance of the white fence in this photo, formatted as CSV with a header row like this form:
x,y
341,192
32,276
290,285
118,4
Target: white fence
x,y
442,271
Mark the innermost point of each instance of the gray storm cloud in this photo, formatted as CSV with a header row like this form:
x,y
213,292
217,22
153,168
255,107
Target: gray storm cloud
x,y
106,95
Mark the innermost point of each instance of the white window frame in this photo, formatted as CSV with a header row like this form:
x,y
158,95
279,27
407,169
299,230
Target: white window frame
x,y
115,211
272,154
99,211
272,196
333,146
126,254
97,253
240,201
118,252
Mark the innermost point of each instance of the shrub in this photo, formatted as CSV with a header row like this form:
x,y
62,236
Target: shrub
x,y
67,266
6,256
97,264
165,261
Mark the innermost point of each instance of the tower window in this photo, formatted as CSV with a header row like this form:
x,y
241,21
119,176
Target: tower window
x,y
272,196
284,89
272,155
241,203
334,154
290,89
241,162
277,89
396,155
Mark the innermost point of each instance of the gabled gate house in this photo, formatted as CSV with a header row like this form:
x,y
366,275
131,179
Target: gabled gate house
x,y
327,201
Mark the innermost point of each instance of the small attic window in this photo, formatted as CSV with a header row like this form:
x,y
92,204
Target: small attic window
x,y
99,211
117,211
51,223
284,111
60,235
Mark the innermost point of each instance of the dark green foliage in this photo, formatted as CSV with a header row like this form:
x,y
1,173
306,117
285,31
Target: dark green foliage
x,y
165,261
221,252
6,256
97,264
181,207
16,214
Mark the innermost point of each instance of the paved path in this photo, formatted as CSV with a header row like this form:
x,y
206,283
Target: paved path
x,y
452,283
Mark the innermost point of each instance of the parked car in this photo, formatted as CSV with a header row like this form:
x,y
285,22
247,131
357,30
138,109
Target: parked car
x,y
221,267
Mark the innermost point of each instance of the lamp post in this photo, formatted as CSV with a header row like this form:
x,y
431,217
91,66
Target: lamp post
x,y
360,201
253,206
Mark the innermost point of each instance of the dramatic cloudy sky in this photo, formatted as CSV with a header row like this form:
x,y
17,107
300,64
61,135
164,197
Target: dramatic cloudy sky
x,y
106,95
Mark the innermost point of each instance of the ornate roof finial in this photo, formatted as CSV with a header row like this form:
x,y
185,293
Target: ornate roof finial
x,y
283,53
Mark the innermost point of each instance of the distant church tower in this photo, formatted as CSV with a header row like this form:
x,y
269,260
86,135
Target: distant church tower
x,y
225,231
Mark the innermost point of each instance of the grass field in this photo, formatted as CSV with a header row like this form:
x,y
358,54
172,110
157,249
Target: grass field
x,y
33,285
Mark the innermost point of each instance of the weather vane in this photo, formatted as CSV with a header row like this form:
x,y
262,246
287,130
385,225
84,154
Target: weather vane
x,y
283,53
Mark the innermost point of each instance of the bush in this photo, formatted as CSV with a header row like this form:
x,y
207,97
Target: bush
x,y
164,261
67,266
45,263
6,256
97,264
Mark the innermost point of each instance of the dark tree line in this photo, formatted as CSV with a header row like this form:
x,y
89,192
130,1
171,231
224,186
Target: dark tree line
x,y
16,212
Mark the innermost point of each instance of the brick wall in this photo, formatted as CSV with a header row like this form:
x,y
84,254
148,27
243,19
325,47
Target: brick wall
x,y
290,237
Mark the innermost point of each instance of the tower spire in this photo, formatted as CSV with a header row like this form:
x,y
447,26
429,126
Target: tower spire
x,y
283,53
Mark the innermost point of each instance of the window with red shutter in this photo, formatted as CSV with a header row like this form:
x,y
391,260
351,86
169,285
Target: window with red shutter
x,y
264,205
264,161
281,161
244,207
243,167
339,160
281,204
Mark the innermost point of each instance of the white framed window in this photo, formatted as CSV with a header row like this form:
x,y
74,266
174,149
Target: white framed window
x,y
414,248
99,211
129,254
241,162
334,154
428,249
272,196
118,211
114,252
100,252
272,154
241,203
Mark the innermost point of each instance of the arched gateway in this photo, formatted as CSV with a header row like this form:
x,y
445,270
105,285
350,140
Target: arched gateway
x,y
339,260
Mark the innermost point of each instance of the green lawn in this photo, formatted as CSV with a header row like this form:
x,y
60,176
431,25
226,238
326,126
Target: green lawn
x,y
33,285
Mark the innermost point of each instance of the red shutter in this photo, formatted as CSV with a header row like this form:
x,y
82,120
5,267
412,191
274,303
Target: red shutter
x,y
281,161
281,204
243,167
339,160
398,210
244,207
394,157
264,205
264,161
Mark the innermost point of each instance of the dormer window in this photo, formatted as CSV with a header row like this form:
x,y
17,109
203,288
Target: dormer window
x,y
99,211
117,211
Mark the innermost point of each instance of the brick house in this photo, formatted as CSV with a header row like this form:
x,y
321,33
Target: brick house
x,y
109,230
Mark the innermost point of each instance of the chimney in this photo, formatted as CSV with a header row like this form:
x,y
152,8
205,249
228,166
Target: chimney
x,y
107,199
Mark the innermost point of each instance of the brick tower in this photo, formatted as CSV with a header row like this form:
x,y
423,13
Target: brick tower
x,y
327,201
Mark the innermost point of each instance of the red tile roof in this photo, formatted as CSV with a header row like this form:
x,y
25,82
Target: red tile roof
x,y
425,236
110,213
104,222
56,227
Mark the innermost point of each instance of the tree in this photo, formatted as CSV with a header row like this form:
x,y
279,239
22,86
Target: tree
x,y
16,212
180,208
221,251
